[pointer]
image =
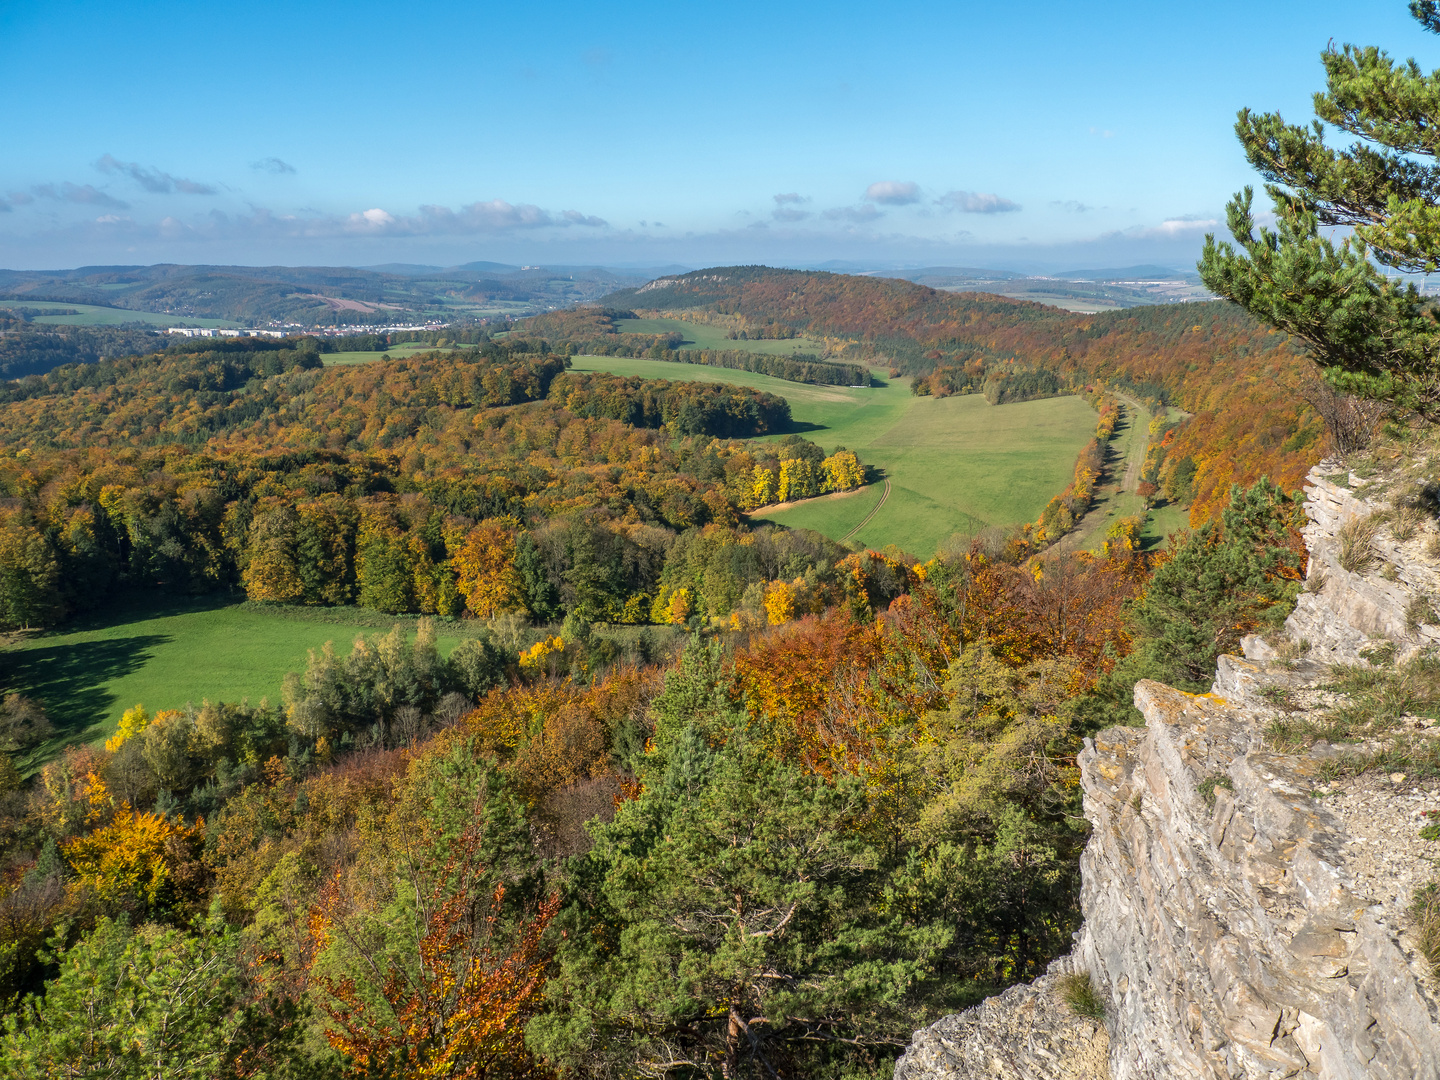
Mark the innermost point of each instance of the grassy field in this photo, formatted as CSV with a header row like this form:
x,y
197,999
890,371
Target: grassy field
x,y
164,652
955,465
95,315
698,336
399,352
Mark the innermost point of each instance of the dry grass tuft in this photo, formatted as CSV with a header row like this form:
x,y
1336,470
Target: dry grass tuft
x,y
1405,521
1078,991
1425,910
1357,544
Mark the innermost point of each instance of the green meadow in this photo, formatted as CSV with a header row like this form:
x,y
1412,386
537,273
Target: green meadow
x,y
955,465
163,652
698,336
96,315
399,352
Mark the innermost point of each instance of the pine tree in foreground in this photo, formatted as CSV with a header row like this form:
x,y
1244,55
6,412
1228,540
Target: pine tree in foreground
x,y
1373,335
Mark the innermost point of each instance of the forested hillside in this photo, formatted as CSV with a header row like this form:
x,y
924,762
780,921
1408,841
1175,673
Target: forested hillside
x,y
1241,380
249,464
317,295
847,805
28,349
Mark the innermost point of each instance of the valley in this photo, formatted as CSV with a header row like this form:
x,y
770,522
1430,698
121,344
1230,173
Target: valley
x,y
957,466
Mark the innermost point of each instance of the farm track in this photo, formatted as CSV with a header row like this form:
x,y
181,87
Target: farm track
x,y
1089,526
873,511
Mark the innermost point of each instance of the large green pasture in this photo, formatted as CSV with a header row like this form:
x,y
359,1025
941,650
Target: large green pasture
x,y
164,652
97,315
700,336
955,465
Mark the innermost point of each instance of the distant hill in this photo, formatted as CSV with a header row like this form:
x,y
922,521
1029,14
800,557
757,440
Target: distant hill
x,y
306,296
1211,359
1126,273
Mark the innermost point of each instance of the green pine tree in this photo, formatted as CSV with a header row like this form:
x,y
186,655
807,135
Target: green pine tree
x,y
1373,335
1225,580
735,920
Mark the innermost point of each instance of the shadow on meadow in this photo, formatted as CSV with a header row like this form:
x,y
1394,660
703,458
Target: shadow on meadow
x,y
69,681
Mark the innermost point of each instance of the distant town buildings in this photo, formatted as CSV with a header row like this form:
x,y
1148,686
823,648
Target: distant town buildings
x,y
289,331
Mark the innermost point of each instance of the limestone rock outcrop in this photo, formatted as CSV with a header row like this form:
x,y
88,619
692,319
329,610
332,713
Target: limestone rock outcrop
x,y
1023,1033
1247,911
1342,612
1243,942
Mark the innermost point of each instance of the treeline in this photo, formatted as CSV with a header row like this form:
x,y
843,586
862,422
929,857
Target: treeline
x,y
685,407
802,367
1064,511
837,827
30,349
203,390
252,466
593,331
1239,378
1000,383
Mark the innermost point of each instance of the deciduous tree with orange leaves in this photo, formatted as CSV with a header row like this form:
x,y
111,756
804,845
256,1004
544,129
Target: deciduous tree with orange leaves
x,y
455,1005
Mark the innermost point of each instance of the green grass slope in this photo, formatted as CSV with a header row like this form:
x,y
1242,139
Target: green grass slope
x,y
166,653
955,464
700,336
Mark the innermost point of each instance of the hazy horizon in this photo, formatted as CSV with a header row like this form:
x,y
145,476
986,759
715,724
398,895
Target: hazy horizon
x,y
1032,139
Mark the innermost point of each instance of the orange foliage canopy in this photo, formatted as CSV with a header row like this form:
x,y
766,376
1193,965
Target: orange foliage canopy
x,y
832,687
461,1014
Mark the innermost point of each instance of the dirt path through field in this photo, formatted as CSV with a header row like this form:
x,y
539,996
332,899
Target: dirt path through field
x,y
1139,443
1136,440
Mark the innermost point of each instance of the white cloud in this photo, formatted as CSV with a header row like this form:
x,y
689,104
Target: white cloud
x,y
893,192
152,180
977,202
493,218
1072,205
376,218
273,165
790,197
1182,225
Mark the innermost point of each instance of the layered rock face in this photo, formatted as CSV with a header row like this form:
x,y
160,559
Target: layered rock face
x,y
1024,1032
1246,910
1344,612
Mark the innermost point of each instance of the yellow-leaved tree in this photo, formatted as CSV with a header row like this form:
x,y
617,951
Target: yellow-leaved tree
x,y
485,568
137,860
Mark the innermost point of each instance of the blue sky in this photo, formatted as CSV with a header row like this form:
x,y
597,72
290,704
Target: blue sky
x,y
1032,136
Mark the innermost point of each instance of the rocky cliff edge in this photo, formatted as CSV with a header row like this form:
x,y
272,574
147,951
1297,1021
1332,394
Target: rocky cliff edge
x,y
1247,910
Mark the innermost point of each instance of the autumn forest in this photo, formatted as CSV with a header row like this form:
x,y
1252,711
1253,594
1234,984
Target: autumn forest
x,y
696,795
